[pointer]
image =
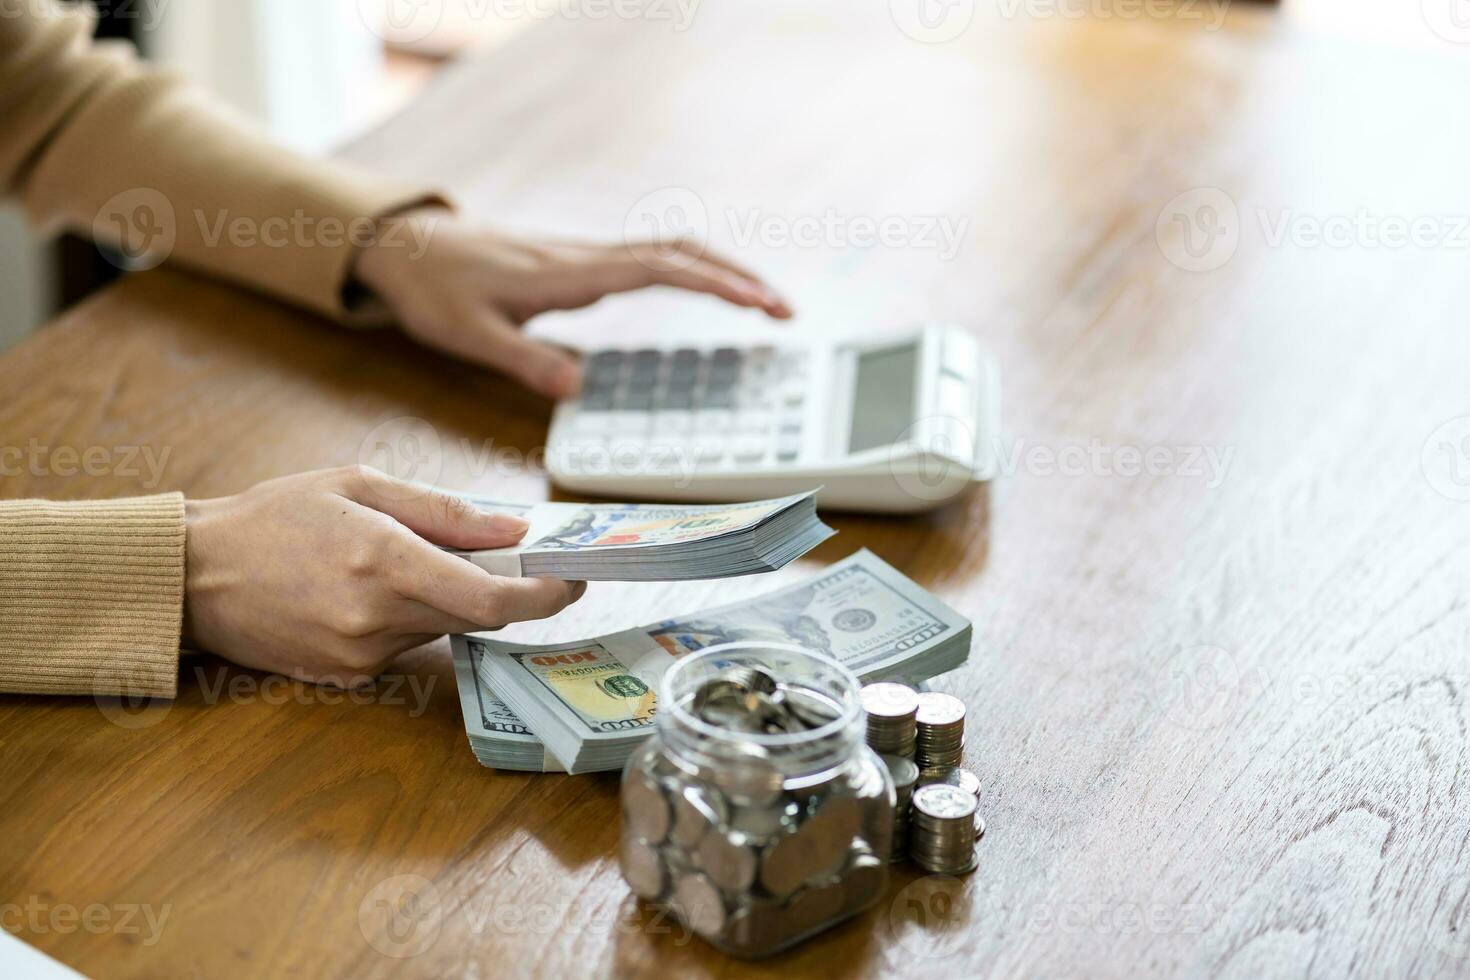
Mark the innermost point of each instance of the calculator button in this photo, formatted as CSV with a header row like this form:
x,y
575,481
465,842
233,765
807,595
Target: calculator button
x,y
719,398
673,423
597,401
607,358
630,423
726,356
680,399
707,448
749,449
753,422
788,448
686,358
714,420
585,422
791,422
637,400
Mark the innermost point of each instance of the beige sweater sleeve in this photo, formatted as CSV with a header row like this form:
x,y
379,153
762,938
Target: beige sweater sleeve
x,y
91,595
93,141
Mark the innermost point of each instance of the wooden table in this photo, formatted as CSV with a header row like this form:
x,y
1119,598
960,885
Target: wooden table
x,y
1218,708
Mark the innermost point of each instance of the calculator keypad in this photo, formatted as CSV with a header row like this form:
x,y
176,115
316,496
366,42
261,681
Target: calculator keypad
x,y
744,407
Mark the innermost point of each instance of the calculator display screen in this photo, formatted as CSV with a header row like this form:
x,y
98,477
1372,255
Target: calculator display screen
x,y
883,401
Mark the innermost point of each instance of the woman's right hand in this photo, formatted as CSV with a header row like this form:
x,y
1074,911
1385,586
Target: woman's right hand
x,y
327,576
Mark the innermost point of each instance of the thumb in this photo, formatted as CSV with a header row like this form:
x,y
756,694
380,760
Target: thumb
x,y
441,518
539,366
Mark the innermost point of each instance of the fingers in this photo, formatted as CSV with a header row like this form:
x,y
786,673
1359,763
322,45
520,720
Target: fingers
x,y
438,517
690,267
539,366
463,597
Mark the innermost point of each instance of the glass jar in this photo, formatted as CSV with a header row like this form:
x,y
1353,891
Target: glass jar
x,y
757,840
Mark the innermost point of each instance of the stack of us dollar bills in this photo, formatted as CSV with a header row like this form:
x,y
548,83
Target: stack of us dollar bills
x,y
655,542
583,707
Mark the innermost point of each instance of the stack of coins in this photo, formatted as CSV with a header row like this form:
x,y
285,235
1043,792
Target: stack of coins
x,y
943,836
905,776
964,779
939,730
892,718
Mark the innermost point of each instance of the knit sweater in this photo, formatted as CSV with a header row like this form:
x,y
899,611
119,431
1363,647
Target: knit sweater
x,y
92,593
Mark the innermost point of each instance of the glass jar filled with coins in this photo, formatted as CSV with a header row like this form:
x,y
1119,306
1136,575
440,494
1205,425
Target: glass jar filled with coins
x,y
756,813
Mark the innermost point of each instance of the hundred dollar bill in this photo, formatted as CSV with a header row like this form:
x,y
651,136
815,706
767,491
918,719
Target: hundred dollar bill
x,y
498,738
592,701
655,542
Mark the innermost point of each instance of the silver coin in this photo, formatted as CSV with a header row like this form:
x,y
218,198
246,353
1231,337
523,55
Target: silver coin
x,y
762,823
751,678
886,701
747,776
719,691
953,776
783,866
696,811
979,826
731,864
646,808
939,710
905,772
812,708
943,802
700,904
642,869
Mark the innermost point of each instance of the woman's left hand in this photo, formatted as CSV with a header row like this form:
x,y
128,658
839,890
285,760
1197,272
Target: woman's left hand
x,y
467,291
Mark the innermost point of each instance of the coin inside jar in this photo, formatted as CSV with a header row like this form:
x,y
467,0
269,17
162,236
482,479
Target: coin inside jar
x,y
700,904
813,708
646,809
785,865
642,868
730,863
696,812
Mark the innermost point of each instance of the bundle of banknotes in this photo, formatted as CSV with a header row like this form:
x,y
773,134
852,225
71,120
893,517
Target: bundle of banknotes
x,y
655,542
583,707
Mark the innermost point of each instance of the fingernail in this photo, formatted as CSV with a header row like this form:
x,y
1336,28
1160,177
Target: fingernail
x,y
507,524
563,379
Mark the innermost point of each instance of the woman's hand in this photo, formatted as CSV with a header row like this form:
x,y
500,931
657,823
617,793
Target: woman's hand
x,y
468,291
327,576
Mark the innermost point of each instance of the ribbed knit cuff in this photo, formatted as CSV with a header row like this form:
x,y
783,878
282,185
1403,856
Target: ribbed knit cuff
x,y
91,595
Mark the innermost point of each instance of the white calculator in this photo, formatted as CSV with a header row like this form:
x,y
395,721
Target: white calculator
x,y
899,424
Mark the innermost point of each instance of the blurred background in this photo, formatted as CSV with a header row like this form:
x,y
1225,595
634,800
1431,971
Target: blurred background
x,y
316,73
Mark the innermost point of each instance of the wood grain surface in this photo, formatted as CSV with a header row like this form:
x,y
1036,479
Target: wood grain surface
x,y
1218,686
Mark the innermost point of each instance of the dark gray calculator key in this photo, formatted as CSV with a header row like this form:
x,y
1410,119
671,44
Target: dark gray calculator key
x,y
727,356
681,399
607,357
682,381
719,398
686,358
637,400
597,401
646,361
